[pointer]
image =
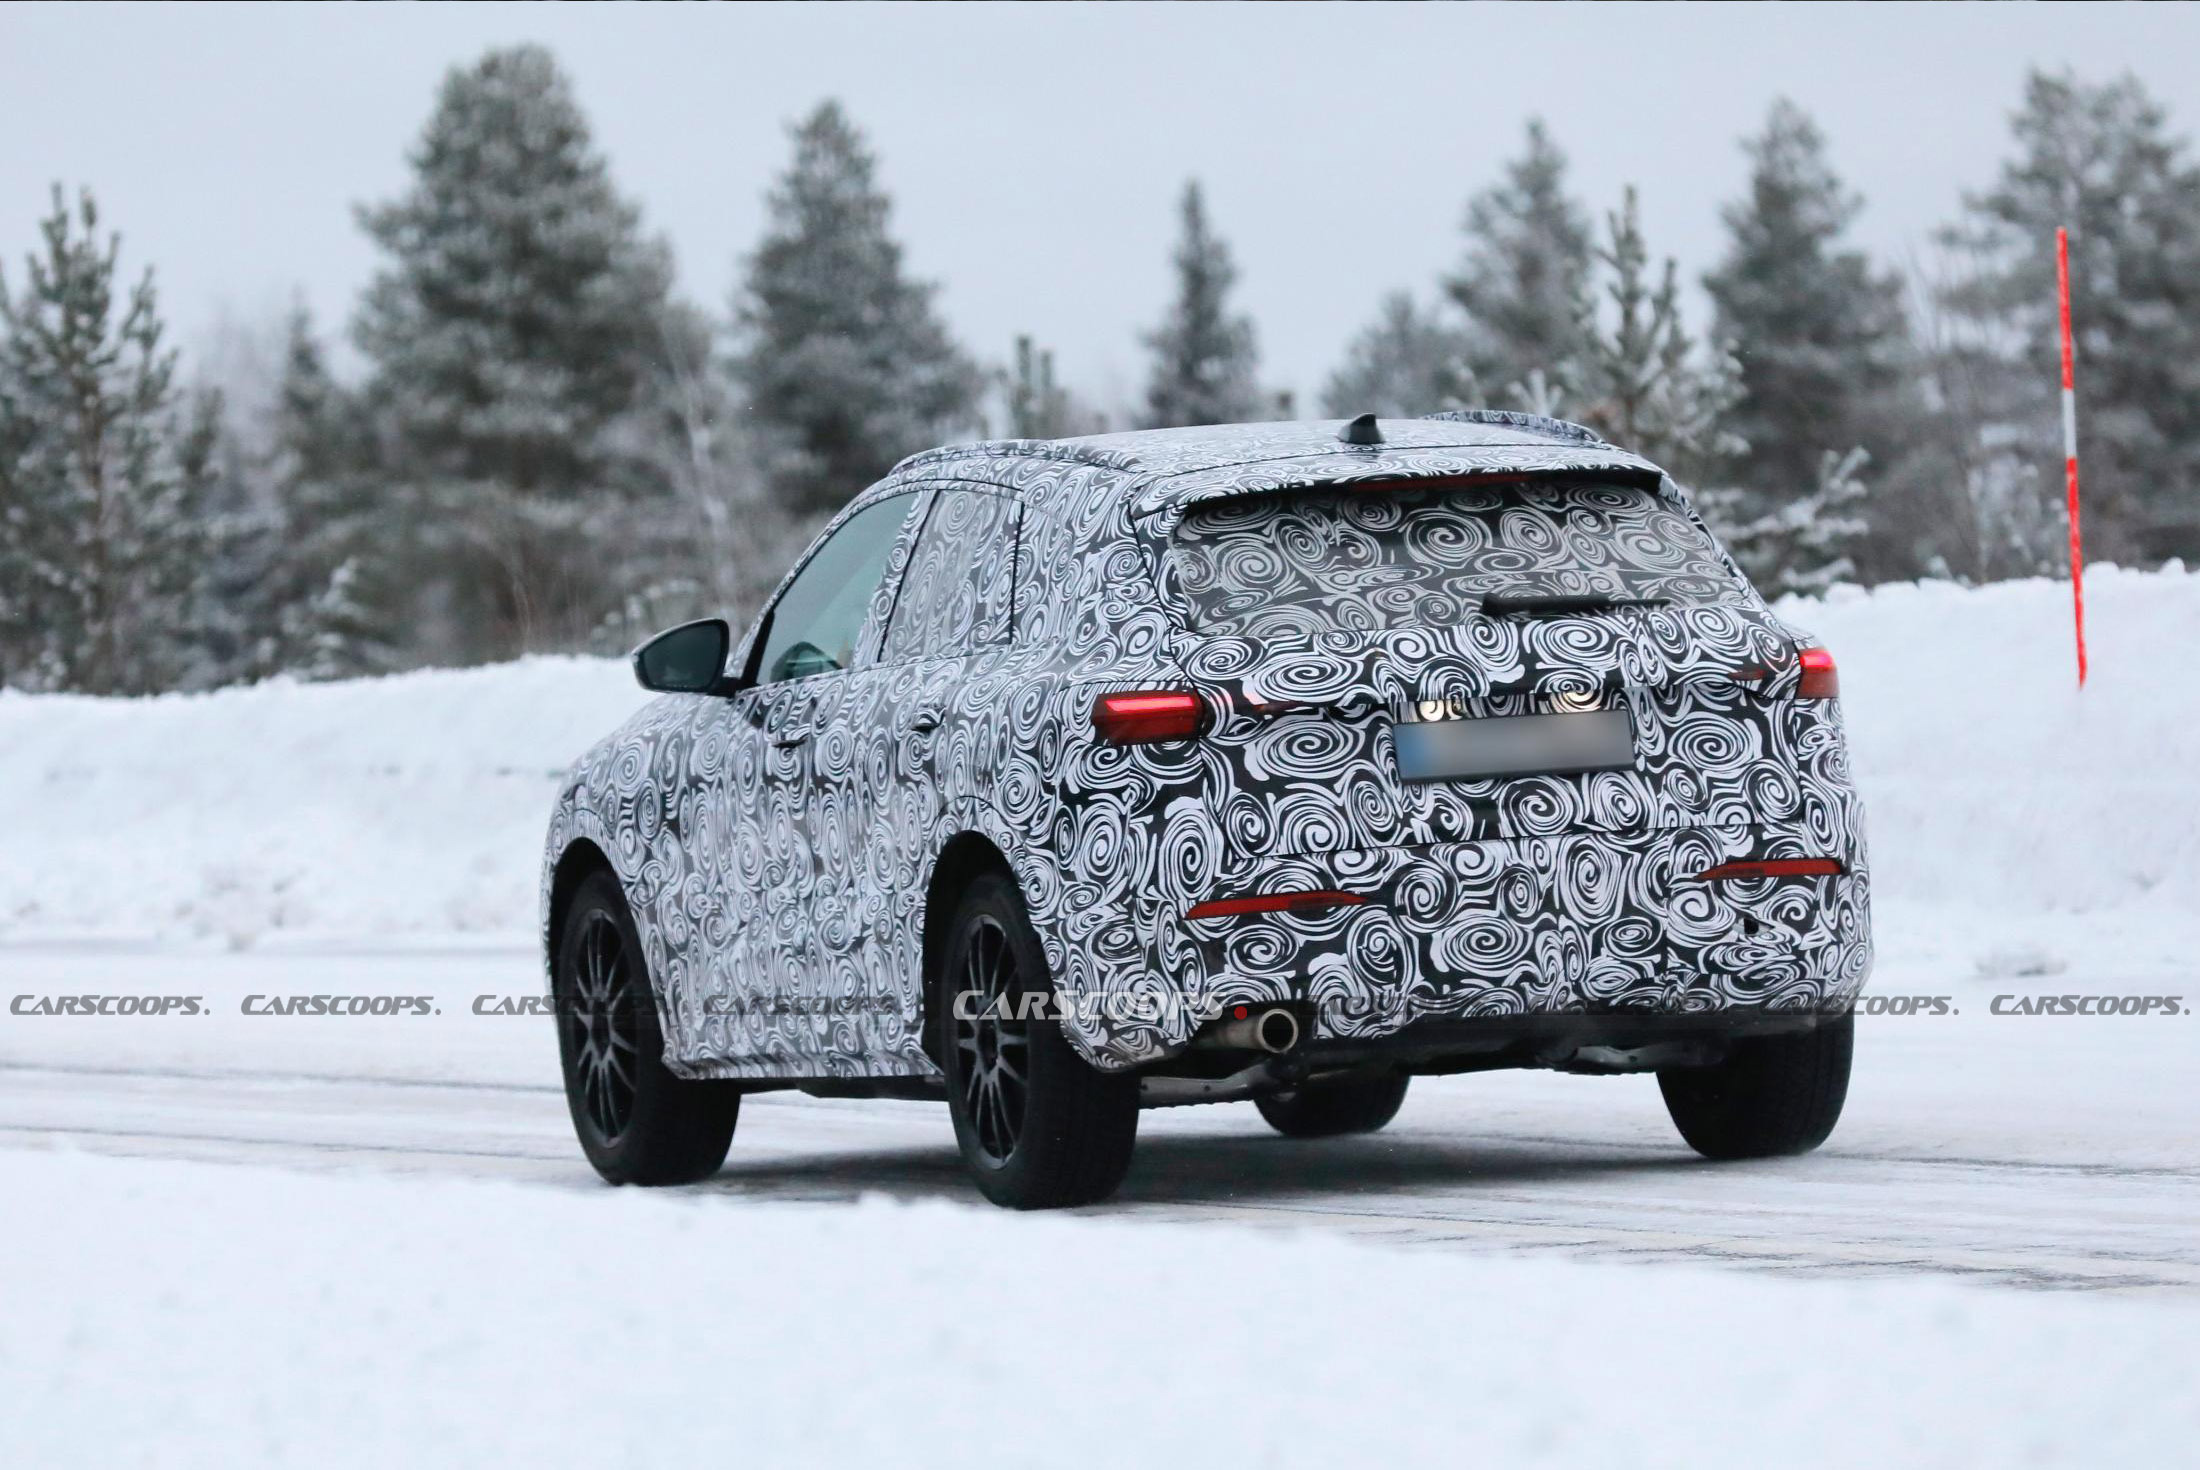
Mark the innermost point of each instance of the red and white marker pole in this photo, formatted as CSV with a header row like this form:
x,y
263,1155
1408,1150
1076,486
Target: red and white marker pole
x,y
2070,449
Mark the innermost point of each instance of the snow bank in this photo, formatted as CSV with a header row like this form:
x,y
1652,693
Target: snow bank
x,y
411,803
1988,779
416,803
161,1313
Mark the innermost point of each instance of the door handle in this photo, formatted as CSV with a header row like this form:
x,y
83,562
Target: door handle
x,y
924,721
795,728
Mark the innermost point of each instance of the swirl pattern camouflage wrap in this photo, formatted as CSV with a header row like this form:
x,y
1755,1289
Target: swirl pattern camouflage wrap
x,y
779,847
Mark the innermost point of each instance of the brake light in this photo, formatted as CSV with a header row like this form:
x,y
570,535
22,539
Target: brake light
x,y
1150,715
1273,903
1811,867
1821,680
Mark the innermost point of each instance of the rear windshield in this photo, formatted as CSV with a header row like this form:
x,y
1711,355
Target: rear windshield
x,y
1375,557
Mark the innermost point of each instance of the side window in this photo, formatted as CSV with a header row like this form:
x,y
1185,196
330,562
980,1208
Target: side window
x,y
815,623
956,595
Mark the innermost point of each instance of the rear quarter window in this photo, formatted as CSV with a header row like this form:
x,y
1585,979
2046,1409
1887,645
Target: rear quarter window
x,y
956,595
1368,558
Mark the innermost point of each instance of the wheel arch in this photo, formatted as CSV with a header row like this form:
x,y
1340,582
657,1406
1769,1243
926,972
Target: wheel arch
x,y
580,858
966,855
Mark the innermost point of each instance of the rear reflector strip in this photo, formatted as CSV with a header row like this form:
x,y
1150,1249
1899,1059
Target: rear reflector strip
x,y
1812,867
1271,903
1149,715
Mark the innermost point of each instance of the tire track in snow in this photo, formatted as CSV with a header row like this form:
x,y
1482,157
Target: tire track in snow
x,y
2010,1223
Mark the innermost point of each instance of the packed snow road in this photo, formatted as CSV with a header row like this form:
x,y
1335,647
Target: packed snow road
x,y
2034,1151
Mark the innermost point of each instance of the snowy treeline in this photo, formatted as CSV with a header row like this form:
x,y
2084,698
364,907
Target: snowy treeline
x,y
549,449
1845,421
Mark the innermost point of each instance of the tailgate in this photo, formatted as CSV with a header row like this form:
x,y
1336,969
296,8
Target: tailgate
x,y
1312,736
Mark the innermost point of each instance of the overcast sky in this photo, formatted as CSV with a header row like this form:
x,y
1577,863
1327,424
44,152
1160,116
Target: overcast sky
x,y
1034,153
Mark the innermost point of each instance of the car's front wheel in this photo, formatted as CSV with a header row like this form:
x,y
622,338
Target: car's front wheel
x,y
1771,1095
636,1121
1038,1125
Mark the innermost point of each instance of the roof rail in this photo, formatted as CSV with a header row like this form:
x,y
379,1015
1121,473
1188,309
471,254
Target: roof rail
x,y
1533,423
1067,449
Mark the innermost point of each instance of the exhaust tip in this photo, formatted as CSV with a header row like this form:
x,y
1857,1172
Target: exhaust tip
x,y
1272,1029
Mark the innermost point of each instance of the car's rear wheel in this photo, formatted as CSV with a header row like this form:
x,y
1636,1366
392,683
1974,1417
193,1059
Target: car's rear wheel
x,y
1329,1106
1771,1095
1039,1126
636,1121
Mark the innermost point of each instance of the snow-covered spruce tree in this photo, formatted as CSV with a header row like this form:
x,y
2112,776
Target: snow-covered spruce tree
x,y
512,330
1526,270
1407,361
106,469
2099,160
1806,543
334,571
1204,355
1819,334
1636,374
843,364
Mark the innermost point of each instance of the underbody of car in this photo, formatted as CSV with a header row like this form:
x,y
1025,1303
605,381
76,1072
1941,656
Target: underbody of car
x,y
1281,756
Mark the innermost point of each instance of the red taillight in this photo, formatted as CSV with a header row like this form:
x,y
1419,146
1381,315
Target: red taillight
x,y
1272,903
1820,679
1819,867
1136,719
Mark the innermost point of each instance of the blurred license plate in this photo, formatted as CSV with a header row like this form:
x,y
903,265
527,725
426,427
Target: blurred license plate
x,y
1515,745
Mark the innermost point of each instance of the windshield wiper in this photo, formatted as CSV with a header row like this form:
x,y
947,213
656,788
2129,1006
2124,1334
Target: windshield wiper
x,y
1540,604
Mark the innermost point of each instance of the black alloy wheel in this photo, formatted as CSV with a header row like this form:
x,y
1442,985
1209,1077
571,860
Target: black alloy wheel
x,y
638,1122
1039,1126
992,1043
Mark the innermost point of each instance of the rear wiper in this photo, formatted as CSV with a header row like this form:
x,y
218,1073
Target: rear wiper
x,y
1538,604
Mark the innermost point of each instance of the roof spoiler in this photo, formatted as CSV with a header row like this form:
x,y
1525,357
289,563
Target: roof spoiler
x,y
1531,423
1628,471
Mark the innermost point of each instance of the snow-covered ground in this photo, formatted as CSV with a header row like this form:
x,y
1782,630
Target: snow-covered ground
x,y
246,1316
341,1240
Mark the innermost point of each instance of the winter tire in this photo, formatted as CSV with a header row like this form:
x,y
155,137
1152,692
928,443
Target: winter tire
x,y
637,1122
1772,1095
1039,1126
1332,1106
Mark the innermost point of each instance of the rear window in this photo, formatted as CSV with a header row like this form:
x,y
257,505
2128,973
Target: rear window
x,y
1374,557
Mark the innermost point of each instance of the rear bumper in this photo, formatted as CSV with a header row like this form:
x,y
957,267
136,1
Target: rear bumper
x,y
1461,935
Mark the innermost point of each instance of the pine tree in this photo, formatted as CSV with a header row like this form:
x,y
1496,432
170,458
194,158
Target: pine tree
x,y
1204,355
1407,361
844,365
1821,339
2100,161
1526,271
106,469
511,330
1637,376
1806,543
337,564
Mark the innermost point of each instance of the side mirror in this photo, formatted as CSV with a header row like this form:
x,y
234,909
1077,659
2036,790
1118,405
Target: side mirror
x,y
689,659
